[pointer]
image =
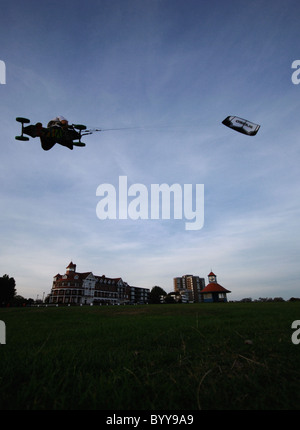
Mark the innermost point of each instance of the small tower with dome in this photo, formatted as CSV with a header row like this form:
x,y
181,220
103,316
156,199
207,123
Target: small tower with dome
x,y
214,292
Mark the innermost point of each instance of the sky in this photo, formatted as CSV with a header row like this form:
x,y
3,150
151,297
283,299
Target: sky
x,y
166,73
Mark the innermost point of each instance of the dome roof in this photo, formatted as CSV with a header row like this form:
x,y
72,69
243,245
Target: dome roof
x,y
214,287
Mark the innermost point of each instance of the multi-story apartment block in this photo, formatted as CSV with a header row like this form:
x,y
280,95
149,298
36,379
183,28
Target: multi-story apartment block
x,y
189,287
86,288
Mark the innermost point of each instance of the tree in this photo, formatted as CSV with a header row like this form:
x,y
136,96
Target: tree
x,y
155,294
170,298
19,301
7,290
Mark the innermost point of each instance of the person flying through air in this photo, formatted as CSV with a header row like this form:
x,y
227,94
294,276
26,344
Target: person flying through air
x,y
59,121
58,131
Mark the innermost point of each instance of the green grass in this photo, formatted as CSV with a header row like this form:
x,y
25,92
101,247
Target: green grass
x,y
155,357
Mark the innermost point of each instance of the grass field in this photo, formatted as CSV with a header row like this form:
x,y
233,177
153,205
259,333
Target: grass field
x,y
155,357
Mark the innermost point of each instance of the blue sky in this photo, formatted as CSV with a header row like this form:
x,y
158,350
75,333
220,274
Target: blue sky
x,y
174,69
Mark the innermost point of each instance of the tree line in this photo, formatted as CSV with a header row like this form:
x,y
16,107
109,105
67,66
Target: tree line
x,y
8,293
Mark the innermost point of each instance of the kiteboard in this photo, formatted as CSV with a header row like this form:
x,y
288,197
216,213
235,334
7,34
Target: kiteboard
x,y
49,136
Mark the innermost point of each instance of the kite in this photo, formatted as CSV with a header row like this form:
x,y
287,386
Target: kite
x,y
242,125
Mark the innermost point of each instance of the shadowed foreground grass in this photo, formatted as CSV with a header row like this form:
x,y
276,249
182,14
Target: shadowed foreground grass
x,y
156,357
